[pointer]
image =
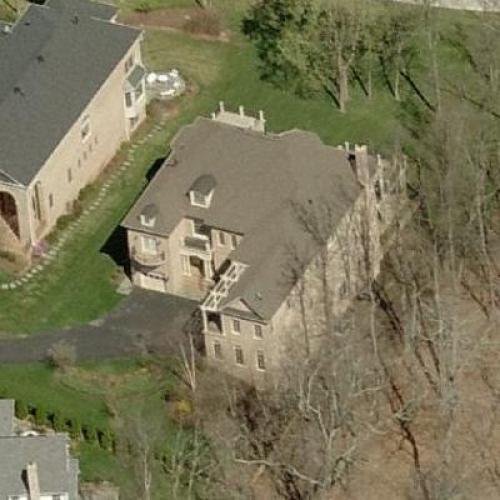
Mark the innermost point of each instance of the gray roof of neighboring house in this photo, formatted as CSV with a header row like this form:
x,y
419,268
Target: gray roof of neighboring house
x,y
51,66
85,8
262,180
57,471
6,417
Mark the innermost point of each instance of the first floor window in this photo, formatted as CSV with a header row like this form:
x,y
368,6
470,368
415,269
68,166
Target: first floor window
x,y
70,175
238,355
186,266
261,360
51,200
128,99
217,350
149,244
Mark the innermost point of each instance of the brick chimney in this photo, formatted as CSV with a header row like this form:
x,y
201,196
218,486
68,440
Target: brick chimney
x,y
33,483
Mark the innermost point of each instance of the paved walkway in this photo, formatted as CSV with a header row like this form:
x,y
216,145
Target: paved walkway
x,y
145,321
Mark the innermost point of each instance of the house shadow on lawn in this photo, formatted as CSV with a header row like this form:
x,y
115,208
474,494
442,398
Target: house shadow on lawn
x,y
153,170
116,248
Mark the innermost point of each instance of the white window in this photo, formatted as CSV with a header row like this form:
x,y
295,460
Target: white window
x,y
261,360
70,175
186,266
222,238
236,326
238,355
218,351
149,245
128,99
257,330
85,130
199,199
147,221
234,241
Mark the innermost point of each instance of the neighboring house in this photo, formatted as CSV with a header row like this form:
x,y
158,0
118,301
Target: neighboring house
x,y
71,91
34,467
238,219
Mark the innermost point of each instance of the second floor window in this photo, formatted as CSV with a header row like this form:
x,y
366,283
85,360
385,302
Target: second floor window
x,y
222,238
236,326
128,99
258,331
238,355
85,130
149,244
129,63
234,241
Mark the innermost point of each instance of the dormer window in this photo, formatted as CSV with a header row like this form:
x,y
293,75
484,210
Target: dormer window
x,y
148,215
202,191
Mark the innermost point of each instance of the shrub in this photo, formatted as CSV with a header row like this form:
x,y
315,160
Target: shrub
x,y
61,355
75,429
21,409
59,422
144,7
90,434
40,415
105,439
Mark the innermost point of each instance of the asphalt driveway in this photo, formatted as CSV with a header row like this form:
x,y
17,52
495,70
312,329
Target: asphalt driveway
x,y
144,322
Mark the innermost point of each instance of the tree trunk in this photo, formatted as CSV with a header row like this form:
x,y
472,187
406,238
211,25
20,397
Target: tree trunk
x,y
343,89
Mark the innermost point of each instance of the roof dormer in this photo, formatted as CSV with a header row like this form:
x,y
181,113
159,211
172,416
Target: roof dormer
x,y
148,215
202,190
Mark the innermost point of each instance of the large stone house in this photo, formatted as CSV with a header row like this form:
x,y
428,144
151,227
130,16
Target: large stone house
x,y
71,91
34,466
239,219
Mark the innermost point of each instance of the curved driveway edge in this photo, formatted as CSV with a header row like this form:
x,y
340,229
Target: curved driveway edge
x,y
144,322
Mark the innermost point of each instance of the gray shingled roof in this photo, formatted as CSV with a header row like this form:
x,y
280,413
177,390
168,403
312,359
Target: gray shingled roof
x,y
259,179
51,66
85,7
6,417
57,471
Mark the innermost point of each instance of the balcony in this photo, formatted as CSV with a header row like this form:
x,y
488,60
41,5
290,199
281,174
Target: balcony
x,y
148,259
197,245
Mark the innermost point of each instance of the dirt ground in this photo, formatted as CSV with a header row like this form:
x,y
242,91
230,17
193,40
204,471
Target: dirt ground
x,y
195,21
